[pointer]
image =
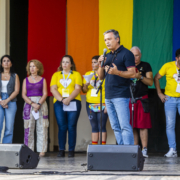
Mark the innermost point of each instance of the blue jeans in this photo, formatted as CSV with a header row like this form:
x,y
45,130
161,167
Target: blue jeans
x,y
9,114
119,117
171,106
67,121
95,118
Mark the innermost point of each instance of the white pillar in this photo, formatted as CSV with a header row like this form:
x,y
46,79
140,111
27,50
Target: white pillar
x,y
4,32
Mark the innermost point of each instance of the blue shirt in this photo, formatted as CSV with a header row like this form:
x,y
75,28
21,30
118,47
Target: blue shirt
x,y
116,86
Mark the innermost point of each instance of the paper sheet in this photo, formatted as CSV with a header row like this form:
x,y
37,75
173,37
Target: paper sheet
x,y
35,115
71,107
88,77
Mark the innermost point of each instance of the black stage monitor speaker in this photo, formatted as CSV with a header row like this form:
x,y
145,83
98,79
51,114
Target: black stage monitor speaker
x,y
18,156
114,158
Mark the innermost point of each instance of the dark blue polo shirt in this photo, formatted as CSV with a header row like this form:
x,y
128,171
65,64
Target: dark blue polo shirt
x,y
116,86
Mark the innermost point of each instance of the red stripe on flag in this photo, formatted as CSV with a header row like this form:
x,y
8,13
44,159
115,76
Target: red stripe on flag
x,y
47,34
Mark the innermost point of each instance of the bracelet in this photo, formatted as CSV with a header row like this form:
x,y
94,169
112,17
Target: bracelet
x,y
31,102
39,104
119,73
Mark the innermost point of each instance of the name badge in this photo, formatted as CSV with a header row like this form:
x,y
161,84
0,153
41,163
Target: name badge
x,y
65,92
93,93
178,88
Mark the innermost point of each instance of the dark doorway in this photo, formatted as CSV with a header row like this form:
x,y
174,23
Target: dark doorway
x,y
18,51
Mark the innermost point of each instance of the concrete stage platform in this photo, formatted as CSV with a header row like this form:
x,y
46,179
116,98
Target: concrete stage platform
x,y
52,165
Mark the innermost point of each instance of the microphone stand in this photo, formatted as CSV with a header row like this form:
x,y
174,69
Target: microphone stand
x,y
100,88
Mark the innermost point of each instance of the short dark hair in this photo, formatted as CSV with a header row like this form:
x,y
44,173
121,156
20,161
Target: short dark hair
x,y
73,68
177,52
116,33
12,62
96,57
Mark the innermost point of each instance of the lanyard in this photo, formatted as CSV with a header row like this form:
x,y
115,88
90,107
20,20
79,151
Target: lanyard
x,y
66,79
178,73
96,77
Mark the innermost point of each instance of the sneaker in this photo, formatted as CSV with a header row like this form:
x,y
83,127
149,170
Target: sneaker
x,y
61,153
171,153
144,152
71,154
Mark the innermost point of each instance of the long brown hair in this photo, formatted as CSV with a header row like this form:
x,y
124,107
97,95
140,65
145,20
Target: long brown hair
x,y
73,67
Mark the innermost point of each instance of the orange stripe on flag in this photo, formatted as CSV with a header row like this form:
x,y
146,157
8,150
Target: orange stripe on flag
x,y
83,32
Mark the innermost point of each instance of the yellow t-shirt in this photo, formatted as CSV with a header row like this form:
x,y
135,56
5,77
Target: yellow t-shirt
x,y
89,98
170,70
73,79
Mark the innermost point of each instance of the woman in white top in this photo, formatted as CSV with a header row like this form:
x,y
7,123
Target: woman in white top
x,y
9,89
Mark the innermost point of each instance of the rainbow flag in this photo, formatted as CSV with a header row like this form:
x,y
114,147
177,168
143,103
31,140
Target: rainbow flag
x,y
77,26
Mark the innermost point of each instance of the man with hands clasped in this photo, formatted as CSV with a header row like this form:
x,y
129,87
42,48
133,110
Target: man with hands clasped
x,y
142,119
170,98
117,91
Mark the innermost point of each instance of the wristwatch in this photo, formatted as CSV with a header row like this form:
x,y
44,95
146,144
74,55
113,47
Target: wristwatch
x,y
142,77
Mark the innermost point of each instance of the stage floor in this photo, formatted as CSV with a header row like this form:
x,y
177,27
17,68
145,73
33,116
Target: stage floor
x,y
52,165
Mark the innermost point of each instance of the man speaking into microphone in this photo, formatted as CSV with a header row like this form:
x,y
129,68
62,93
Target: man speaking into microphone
x,y
117,86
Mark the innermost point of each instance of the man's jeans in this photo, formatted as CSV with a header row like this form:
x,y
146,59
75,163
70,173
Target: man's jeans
x,y
170,107
119,116
9,115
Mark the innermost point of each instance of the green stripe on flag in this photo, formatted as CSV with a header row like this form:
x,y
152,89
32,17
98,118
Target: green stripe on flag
x,y
153,32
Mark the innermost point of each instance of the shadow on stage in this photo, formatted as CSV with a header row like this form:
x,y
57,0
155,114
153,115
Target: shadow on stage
x,y
154,165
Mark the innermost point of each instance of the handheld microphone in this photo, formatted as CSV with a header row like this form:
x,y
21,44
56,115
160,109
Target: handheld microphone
x,y
104,54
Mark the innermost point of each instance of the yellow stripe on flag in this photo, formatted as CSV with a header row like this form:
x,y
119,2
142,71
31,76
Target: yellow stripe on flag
x,y
118,15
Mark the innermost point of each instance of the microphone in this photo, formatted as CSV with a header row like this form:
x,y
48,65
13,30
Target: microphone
x,y
104,54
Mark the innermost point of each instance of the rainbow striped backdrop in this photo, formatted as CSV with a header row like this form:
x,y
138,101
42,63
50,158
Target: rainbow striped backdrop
x,y
153,25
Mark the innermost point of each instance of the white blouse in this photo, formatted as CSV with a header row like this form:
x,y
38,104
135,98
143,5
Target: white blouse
x,y
4,86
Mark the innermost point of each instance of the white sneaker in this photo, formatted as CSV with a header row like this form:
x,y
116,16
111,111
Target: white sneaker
x,y
144,152
171,153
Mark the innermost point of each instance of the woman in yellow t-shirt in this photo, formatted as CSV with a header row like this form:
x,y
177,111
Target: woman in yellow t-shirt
x,y
93,103
66,87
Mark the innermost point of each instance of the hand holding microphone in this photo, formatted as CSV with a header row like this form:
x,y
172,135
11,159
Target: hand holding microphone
x,y
102,58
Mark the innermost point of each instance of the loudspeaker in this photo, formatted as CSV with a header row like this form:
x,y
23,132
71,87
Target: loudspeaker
x,y
18,156
114,158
